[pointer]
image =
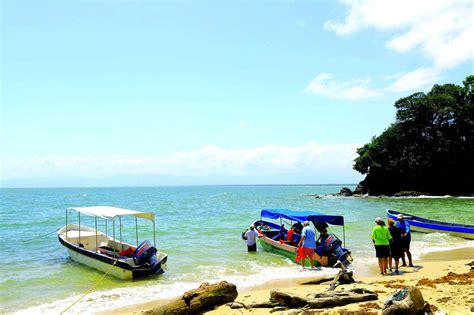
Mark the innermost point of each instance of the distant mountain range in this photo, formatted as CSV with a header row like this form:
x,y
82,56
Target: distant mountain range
x,y
121,180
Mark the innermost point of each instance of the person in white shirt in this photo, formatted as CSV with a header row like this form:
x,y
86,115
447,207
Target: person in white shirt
x,y
251,237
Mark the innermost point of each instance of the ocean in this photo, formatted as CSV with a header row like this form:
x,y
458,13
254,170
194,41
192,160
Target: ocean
x,y
200,229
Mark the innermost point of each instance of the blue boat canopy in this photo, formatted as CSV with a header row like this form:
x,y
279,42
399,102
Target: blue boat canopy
x,y
301,216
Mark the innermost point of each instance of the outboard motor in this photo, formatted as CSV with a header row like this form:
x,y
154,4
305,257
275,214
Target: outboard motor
x,y
334,245
146,253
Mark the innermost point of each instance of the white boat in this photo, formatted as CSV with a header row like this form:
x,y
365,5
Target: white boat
x,y
98,250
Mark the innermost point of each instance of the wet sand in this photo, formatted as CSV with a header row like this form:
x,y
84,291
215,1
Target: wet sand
x,y
450,294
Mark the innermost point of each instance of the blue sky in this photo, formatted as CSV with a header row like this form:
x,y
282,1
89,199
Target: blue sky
x,y
283,89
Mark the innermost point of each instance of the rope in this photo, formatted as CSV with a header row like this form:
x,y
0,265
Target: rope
x,y
90,289
34,239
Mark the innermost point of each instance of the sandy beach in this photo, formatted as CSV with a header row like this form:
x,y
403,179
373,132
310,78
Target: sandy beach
x,y
444,279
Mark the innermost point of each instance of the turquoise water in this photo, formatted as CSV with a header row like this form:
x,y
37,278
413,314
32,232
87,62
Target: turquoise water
x,y
199,227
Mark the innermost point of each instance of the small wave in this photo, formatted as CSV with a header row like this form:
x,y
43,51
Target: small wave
x,y
115,298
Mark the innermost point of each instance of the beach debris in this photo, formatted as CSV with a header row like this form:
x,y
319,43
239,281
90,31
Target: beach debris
x,y
405,301
451,278
287,299
267,304
322,300
236,305
319,279
206,297
343,277
278,309
471,264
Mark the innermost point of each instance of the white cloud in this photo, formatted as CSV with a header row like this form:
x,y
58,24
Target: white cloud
x,y
323,84
442,30
311,158
413,80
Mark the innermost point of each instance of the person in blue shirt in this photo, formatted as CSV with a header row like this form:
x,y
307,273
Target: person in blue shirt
x,y
308,242
406,239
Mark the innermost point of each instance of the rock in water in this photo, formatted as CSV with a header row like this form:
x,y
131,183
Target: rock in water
x,y
405,301
345,192
206,297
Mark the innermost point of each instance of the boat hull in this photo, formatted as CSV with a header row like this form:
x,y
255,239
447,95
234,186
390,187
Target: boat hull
x,y
99,265
422,225
122,268
289,251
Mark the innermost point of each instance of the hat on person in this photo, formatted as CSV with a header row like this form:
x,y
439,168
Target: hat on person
x,y
400,216
391,221
378,219
251,227
306,223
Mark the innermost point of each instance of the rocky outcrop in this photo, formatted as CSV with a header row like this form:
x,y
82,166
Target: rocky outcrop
x,y
345,192
409,193
206,297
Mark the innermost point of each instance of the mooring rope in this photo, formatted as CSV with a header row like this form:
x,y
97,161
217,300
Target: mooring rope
x,y
90,288
34,239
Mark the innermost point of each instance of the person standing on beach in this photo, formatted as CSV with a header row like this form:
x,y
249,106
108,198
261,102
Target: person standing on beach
x,y
251,237
381,238
396,245
308,241
406,239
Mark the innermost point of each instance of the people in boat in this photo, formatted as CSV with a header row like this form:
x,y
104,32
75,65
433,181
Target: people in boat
x,y
308,244
406,239
297,227
320,248
322,237
289,235
251,237
281,234
381,238
395,246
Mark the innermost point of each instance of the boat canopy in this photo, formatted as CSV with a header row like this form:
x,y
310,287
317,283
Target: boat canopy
x,y
109,213
301,216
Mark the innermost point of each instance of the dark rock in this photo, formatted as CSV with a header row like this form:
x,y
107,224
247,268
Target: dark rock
x,y
345,192
409,193
206,297
405,301
360,189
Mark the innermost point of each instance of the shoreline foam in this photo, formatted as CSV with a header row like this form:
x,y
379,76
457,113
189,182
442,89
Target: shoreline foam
x,y
435,264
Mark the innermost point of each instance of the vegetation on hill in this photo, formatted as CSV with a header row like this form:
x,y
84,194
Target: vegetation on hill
x,y
430,147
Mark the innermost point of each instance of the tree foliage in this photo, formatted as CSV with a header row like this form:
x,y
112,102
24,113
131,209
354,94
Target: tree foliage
x,y
429,148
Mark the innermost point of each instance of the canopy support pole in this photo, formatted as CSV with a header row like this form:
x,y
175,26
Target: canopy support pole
x,y
96,245
66,225
120,223
79,228
154,234
344,235
136,229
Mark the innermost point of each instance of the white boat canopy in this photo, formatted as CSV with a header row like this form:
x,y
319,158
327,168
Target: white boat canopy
x,y
109,213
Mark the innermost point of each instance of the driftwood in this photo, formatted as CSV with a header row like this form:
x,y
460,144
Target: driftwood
x,y
318,280
405,301
206,297
322,300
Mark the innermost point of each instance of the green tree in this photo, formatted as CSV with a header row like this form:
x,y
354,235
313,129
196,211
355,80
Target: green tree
x,y
429,148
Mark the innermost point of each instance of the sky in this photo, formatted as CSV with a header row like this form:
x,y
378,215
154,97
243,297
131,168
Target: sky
x,y
277,92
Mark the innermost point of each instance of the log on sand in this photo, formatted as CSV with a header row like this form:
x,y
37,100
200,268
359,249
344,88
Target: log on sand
x,y
206,297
